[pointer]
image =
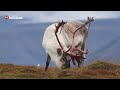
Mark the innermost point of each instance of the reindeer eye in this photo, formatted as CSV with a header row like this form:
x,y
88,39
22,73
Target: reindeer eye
x,y
59,51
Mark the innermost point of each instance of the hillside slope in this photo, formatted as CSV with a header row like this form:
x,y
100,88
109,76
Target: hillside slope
x,y
97,70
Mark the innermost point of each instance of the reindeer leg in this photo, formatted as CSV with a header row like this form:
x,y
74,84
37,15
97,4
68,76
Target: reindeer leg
x,y
83,47
47,62
73,62
80,62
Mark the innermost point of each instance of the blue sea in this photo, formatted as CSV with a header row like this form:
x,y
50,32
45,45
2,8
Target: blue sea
x,y
21,44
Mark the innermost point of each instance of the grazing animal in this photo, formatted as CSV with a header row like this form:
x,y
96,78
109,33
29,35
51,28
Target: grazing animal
x,y
65,41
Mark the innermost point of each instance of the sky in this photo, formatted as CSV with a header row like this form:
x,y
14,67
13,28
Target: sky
x,y
54,16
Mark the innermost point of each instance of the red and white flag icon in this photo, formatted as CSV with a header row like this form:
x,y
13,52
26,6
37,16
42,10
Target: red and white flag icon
x,y
6,17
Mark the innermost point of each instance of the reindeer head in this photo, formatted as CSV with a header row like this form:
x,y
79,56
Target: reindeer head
x,y
66,55
64,59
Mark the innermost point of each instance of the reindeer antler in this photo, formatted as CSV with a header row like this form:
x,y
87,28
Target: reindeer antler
x,y
58,26
72,48
90,19
56,30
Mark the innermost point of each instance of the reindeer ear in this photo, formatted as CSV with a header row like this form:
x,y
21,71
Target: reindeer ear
x,y
59,51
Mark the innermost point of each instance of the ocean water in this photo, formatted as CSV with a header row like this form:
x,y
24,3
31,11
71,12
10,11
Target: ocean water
x,y
21,44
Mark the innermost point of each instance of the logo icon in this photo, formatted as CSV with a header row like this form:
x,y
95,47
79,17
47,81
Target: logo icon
x,y
6,17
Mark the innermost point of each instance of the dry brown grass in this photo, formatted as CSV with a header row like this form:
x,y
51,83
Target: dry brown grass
x,y
97,70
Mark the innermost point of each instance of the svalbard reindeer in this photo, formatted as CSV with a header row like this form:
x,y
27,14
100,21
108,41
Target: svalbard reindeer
x,y
66,41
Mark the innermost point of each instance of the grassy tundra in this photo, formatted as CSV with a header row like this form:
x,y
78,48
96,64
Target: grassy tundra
x,y
97,70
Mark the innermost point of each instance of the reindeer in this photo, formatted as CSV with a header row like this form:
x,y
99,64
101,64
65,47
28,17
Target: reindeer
x,y
66,41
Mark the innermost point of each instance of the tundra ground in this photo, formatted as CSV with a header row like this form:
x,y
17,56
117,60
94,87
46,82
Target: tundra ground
x,y
97,70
